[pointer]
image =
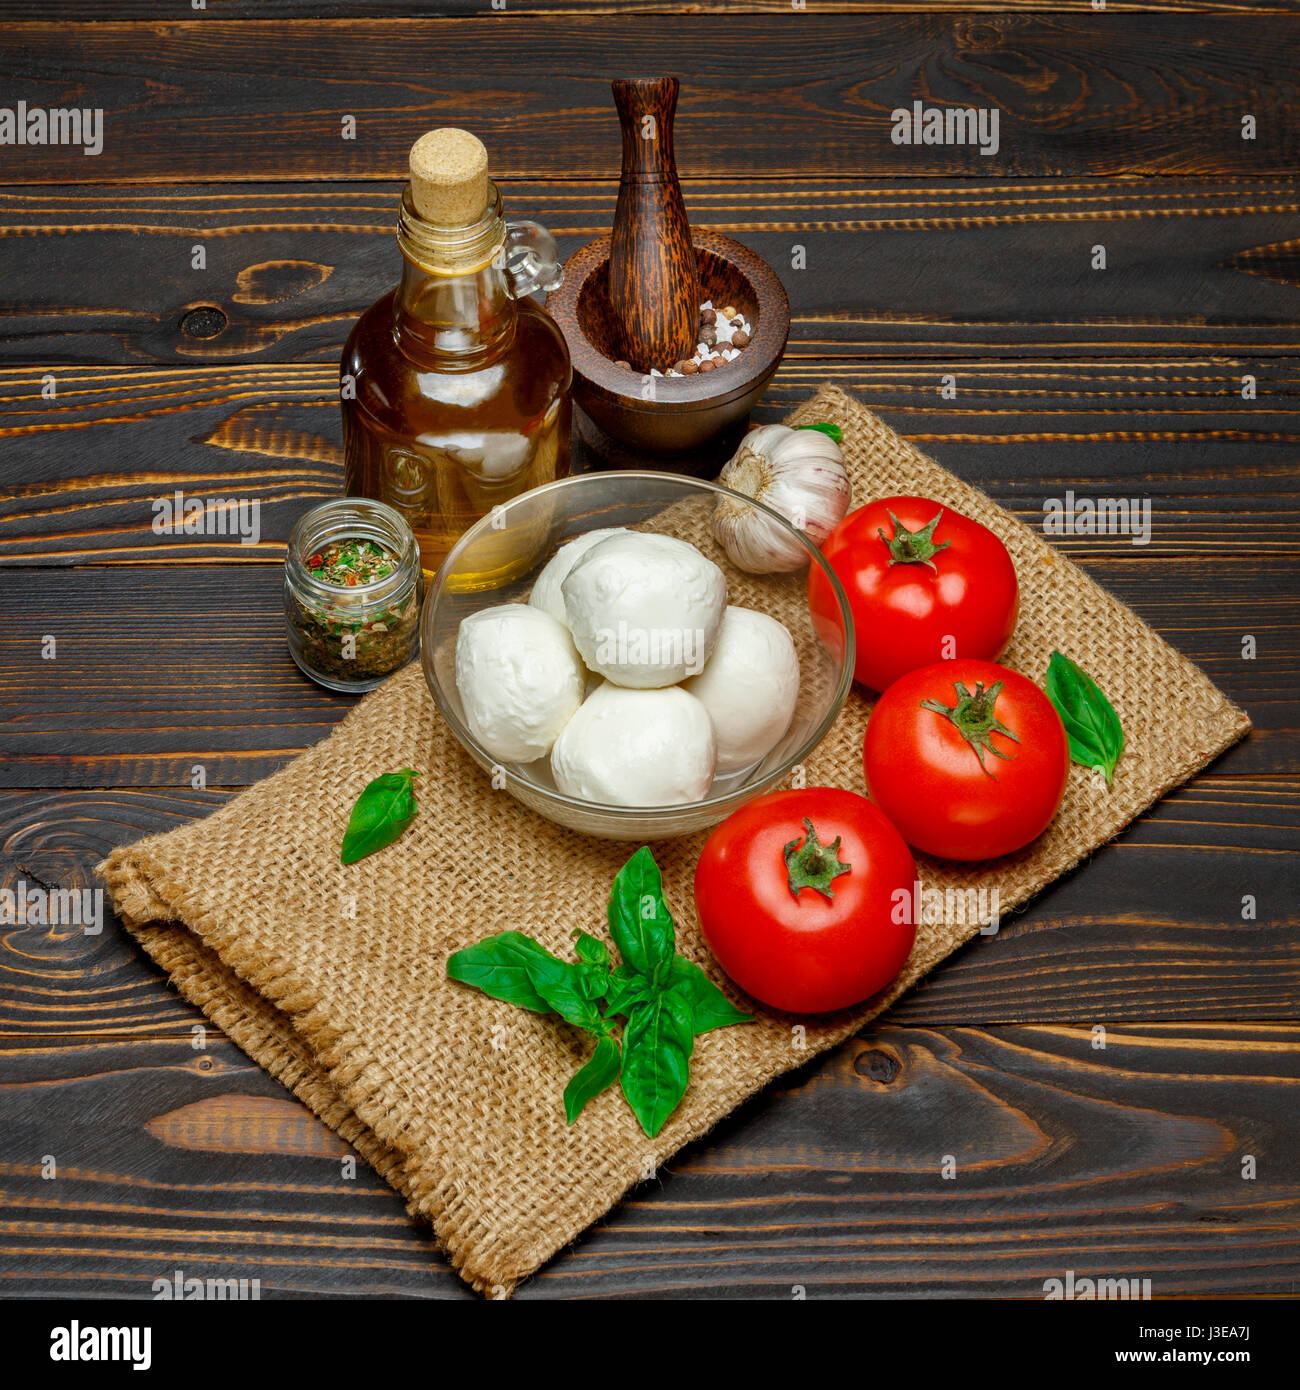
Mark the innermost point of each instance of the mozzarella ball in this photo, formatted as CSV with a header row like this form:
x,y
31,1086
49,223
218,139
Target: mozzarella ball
x,y
644,610
749,687
519,678
636,748
546,593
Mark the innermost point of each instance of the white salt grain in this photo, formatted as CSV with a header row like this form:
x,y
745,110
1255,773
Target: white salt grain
x,y
722,351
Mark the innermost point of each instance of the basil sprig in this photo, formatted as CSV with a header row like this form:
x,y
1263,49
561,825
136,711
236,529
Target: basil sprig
x,y
1091,724
665,999
384,809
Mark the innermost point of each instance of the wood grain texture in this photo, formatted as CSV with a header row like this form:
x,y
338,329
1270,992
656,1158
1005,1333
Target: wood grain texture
x,y
780,95
224,130
909,268
228,656
212,685
694,420
91,10
1122,1161
84,469
1150,928
654,288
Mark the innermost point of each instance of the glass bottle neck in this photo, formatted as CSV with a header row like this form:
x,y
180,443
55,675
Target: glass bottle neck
x,y
453,322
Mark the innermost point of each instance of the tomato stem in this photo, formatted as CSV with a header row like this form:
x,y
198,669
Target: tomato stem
x,y
815,864
913,547
974,718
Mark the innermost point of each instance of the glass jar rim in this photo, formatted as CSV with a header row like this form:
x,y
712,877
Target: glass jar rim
x,y
363,518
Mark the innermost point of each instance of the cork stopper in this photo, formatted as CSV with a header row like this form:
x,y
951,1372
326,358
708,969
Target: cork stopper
x,y
449,177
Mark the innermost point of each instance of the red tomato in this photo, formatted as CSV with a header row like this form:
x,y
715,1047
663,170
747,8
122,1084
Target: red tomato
x,y
967,758
803,948
924,584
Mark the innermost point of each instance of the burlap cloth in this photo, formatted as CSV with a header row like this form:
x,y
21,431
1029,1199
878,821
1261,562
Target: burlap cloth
x,y
333,977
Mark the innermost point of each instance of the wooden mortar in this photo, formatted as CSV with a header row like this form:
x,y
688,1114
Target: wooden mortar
x,y
683,424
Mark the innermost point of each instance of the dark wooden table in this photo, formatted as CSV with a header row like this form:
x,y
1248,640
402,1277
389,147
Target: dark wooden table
x,y
129,372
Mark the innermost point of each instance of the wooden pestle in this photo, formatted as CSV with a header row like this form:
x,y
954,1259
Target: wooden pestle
x,y
654,285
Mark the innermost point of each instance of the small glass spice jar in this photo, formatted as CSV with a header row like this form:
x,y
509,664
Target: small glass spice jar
x,y
352,591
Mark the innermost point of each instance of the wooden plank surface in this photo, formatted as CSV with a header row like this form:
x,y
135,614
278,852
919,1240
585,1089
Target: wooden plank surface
x,y
212,684
84,468
223,128
72,11
777,95
891,267
1122,1160
1151,928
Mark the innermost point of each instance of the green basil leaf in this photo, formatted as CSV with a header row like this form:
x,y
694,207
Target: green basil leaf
x,y
591,948
562,984
384,809
825,427
594,960
600,1071
592,980
1091,724
639,920
710,1008
498,965
657,1045
627,988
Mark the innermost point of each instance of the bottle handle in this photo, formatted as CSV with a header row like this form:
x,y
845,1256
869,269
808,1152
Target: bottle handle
x,y
532,257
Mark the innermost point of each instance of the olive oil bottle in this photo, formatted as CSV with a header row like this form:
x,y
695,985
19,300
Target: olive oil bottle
x,y
455,386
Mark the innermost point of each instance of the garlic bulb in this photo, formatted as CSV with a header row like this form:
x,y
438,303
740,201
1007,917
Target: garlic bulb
x,y
797,472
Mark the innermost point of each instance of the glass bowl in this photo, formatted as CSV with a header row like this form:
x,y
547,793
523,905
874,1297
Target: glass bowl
x,y
498,558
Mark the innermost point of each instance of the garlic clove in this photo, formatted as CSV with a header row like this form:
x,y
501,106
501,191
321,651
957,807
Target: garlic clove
x,y
800,474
